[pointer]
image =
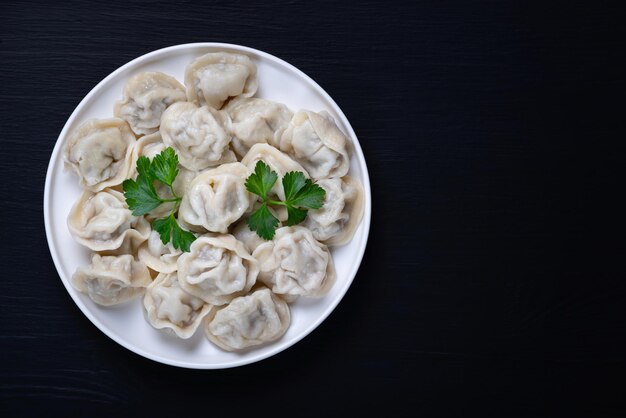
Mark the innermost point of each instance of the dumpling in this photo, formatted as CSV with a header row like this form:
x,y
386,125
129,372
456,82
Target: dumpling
x,y
247,237
150,146
146,96
278,161
111,280
216,198
168,307
102,221
158,256
147,146
217,269
335,222
199,135
255,121
213,78
100,153
316,142
247,321
295,263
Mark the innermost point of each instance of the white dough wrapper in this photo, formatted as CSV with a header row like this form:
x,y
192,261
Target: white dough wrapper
x,y
158,256
217,76
295,263
102,222
250,239
100,153
316,142
146,96
200,135
336,221
256,121
217,269
111,280
170,308
216,198
248,321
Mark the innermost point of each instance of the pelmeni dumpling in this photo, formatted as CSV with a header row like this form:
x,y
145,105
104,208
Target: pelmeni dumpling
x,y
247,321
216,198
102,221
335,222
295,263
256,121
169,307
315,141
217,269
278,161
213,78
248,238
146,96
199,135
158,256
149,146
111,280
100,153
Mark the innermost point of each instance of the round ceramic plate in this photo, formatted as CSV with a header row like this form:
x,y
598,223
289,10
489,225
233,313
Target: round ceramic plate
x,y
125,324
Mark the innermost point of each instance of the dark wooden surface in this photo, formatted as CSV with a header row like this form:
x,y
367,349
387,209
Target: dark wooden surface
x,y
493,283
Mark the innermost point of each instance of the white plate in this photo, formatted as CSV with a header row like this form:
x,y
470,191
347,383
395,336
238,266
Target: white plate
x,y
125,324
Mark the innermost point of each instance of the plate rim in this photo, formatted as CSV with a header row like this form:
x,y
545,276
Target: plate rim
x,y
356,147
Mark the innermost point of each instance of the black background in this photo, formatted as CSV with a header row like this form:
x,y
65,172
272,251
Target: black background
x,y
493,281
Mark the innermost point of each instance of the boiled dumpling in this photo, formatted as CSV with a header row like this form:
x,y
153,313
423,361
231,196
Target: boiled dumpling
x,y
335,222
169,307
158,256
146,96
199,135
216,198
213,78
278,161
247,237
315,141
255,121
217,269
111,280
295,263
147,146
102,221
100,153
256,319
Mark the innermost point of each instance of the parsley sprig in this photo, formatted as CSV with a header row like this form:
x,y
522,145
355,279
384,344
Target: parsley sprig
x,y
301,194
142,197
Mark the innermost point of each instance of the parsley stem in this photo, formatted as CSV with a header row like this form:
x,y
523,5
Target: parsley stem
x,y
276,202
173,192
175,199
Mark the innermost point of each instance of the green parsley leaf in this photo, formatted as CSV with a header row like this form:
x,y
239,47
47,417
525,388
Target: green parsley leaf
x,y
182,239
295,215
263,222
164,167
143,166
164,227
302,192
293,181
262,180
140,194
169,229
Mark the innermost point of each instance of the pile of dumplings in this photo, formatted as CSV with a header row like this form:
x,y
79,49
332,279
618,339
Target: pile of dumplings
x,y
232,283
